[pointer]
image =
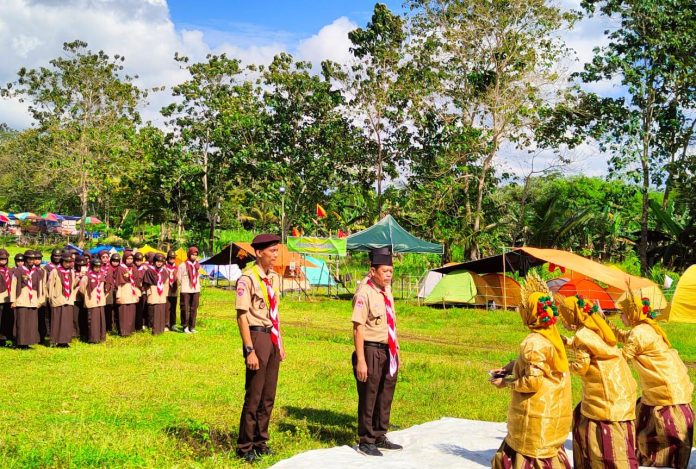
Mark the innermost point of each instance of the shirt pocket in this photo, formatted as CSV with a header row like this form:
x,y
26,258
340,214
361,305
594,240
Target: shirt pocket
x,y
376,317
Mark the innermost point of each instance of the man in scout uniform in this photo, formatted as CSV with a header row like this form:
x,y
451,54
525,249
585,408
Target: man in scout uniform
x,y
258,296
376,356
188,278
5,286
172,292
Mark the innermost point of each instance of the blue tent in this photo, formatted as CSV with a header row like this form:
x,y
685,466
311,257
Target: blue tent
x,y
74,248
105,248
320,275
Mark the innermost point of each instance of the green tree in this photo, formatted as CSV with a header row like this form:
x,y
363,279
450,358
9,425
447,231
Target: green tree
x,y
85,108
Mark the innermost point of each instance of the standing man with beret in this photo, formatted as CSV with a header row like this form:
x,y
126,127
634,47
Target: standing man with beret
x,y
258,297
188,277
376,357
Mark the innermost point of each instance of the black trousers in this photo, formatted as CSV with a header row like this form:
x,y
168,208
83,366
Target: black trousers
x,y
189,309
374,395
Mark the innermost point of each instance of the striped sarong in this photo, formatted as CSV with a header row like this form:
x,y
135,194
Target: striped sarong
x,y
602,444
508,458
665,435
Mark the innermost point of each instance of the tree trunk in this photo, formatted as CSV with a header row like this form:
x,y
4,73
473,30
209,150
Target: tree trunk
x,y
83,206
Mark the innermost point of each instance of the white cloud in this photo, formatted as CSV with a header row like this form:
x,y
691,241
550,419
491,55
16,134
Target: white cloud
x,y
331,42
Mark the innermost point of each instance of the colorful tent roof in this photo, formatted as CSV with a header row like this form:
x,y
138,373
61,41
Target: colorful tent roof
x,y
242,254
683,307
590,290
148,249
388,233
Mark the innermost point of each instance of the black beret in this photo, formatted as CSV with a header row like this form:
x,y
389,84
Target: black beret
x,y
115,257
138,256
80,260
28,254
66,257
19,257
264,241
158,257
96,262
56,252
381,256
171,255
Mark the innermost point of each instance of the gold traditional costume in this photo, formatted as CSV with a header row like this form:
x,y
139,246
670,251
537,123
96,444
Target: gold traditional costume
x,y
539,416
665,418
603,422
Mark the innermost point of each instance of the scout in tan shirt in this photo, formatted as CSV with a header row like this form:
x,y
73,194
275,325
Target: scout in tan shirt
x,y
156,283
62,290
189,282
5,286
258,319
376,356
172,293
25,295
93,290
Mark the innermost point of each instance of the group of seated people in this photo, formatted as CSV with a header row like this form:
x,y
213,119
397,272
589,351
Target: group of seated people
x,y
610,427
77,295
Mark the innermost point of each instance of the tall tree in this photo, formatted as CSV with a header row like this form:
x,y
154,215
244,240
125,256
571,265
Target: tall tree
x,y
86,111
376,96
494,60
217,120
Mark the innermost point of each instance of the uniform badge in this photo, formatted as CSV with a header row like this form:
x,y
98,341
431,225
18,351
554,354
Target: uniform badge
x,y
241,289
360,302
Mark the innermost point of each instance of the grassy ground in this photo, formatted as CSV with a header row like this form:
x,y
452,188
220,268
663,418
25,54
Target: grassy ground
x,y
174,400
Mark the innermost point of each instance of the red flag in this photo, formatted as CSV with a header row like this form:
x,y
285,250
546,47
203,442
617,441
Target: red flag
x,y
295,232
342,234
321,213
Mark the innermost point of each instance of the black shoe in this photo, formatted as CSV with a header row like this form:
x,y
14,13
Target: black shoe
x,y
264,451
368,449
386,445
249,456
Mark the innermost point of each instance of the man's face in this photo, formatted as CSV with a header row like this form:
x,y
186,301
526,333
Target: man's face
x,y
268,257
382,274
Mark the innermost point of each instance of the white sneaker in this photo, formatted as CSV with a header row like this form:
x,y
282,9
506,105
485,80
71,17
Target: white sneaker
x,y
186,330
166,329
193,331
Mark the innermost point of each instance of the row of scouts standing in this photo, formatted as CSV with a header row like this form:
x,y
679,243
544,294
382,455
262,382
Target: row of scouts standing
x,y
80,296
610,428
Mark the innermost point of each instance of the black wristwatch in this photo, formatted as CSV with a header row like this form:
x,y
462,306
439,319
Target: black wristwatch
x,y
246,350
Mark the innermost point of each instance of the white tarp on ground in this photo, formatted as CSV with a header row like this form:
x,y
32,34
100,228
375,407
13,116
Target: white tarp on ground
x,y
449,442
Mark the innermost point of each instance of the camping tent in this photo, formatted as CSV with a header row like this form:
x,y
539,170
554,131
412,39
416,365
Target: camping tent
x,y
219,272
454,288
319,275
683,308
148,249
556,283
590,290
388,233
497,289
522,259
428,282
103,247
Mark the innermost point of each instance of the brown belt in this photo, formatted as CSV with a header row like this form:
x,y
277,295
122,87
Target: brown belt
x,y
266,330
368,343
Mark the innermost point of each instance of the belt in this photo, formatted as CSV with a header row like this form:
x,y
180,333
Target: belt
x,y
368,343
267,330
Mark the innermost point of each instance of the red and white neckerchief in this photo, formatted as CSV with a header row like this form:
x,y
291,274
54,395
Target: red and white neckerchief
x,y
171,269
96,277
30,283
192,268
66,279
271,300
6,276
391,322
160,283
131,279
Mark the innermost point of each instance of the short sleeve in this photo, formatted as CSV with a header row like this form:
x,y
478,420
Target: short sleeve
x,y
360,308
243,299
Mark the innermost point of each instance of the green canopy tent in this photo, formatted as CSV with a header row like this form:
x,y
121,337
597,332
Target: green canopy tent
x,y
388,233
456,288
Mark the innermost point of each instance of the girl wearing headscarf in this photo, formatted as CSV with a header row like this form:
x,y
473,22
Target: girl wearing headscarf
x,y
156,284
127,294
604,421
25,296
93,290
539,416
665,418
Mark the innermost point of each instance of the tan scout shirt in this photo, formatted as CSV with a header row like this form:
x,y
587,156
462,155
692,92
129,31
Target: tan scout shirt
x,y
55,289
173,287
250,297
19,294
5,294
184,282
154,298
370,311
124,292
91,298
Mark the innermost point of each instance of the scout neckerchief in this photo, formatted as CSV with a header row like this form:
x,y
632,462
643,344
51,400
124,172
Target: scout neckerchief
x,y
29,281
66,280
131,279
192,268
391,322
160,283
95,281
171,269
6,277
271,300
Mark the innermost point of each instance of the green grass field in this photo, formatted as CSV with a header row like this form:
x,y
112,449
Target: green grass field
x,y
174,400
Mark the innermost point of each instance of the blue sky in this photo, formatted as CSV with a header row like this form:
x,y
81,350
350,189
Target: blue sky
x,y
296,18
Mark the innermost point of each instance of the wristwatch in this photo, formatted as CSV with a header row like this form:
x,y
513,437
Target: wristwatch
x,y
247,349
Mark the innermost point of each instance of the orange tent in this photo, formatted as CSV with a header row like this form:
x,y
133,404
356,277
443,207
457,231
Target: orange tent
x,y
590,290
499,288
287,261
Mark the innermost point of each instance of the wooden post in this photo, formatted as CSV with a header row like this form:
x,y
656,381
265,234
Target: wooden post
x,y
504,277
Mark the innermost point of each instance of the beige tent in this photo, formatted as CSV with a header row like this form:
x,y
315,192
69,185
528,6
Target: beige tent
x,y
683,307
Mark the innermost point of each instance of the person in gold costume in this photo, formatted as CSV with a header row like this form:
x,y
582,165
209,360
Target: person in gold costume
x,y
539,416
604,421
664,416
